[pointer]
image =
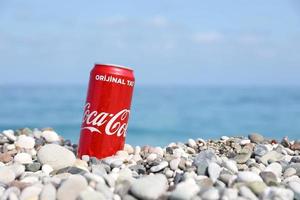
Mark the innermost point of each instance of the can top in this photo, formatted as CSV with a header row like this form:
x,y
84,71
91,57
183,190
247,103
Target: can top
x,y
114,65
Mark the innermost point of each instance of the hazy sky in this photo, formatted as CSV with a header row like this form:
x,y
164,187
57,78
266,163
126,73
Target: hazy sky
x,y
238,42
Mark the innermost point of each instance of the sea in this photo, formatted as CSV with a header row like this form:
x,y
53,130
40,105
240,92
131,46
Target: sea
x,y
162,114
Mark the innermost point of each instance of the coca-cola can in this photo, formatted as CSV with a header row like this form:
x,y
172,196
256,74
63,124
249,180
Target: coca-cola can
x,y
106,111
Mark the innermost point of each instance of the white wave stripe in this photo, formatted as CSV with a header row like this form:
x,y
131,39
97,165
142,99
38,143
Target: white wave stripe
x,y
92,129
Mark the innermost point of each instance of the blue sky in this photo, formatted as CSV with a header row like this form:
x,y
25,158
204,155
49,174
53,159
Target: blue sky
x,y
167,42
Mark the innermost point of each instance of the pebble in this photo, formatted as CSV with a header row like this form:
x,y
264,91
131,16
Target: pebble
x,y
214,171
31,192
151,157
243,156
260,150
230,194
229,168
257,187
174,164
23,158
247,193
149,187
231,165
50,136
185,190
224,137
5,157
271,155
91,195
6,175
295,187
211,194
247,176
25,142
274,167
278,193
17,168
256,138
48,192
205,156
192,143
10,135
289,172
33,167
159,167
128,148
296,145
269,177
245,141
71,188
56,156
47,169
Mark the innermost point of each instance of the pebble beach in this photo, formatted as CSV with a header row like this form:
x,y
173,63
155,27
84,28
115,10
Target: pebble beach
x,y
40,164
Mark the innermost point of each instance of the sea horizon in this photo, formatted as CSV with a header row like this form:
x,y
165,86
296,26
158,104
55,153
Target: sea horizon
x,y
170,113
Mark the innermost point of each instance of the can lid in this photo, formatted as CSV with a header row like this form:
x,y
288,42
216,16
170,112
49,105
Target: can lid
x,y
114,65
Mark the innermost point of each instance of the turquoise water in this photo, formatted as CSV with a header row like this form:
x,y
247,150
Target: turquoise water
x,y
161,115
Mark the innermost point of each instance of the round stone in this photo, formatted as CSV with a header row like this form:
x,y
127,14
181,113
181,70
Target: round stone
x,y
72,187
214,171
256,138
289,172
128,148
243,156
10,135
33,167
48,192
269,177
174,164
56,156
274,167
91,195
17,168
151,157
47,169
271,155
25,142
5,157
185,190
247,176
211,194
149,187
50,136
260,150
231,165
31,192
295,186
257,187
159,167
23,158
192,143
6,175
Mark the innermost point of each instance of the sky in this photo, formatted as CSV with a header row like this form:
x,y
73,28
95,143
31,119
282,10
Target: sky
x,y
175,42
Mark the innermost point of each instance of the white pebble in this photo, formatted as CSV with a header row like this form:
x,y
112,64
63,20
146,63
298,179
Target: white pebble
x,y
23,158
25,142
50,136
151,157
47,169
10,135
245,141
192,143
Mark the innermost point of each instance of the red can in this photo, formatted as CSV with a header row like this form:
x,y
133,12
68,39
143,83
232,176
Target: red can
x,y
106,112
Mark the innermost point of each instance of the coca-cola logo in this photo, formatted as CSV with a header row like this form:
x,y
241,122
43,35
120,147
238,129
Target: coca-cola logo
x,y
113,123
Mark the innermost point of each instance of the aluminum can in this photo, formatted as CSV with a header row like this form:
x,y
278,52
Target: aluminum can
x,y
106,111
